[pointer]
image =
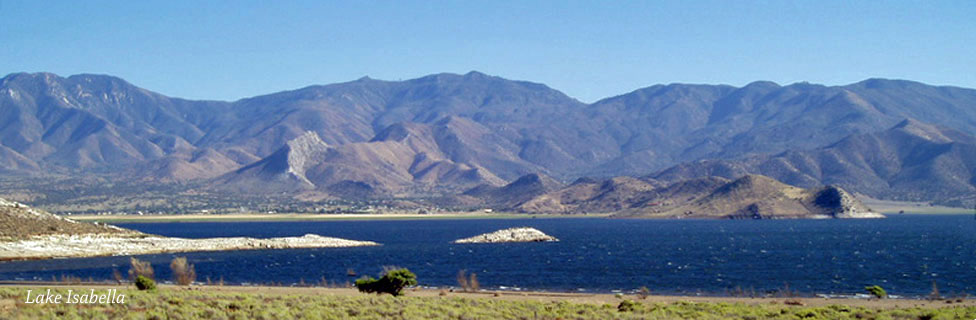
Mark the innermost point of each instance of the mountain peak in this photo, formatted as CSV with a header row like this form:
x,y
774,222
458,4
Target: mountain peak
x,y
475,74
762,84
31,79
32,75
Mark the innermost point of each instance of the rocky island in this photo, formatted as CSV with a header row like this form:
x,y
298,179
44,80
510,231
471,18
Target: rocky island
x,y
521,234
28,233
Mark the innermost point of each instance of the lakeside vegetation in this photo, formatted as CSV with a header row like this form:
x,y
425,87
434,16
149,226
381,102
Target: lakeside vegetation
x,y
200,303
395,301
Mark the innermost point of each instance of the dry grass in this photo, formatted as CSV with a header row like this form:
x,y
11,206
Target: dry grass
x,y
315,303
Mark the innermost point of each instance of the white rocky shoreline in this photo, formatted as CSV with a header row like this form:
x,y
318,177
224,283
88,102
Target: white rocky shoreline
x,y
92,245
521,234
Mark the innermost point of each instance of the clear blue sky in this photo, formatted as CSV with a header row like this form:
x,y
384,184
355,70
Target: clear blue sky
x,y
588,49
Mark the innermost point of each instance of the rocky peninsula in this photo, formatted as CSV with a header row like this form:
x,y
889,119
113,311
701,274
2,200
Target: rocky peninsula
x,y
521,234
29,233
90,245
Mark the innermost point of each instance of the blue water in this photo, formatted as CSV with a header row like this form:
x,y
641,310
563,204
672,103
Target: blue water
x,y
903,254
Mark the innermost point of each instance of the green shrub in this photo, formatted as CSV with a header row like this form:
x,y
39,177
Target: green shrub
x,y
391,282
877,291
144,283
627,306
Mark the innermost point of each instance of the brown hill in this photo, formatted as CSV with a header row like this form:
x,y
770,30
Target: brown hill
x,y
911,161
511,195
591,196
749,197
18,221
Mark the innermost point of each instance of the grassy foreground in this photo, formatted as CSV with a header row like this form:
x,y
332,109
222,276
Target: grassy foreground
x,y
181,303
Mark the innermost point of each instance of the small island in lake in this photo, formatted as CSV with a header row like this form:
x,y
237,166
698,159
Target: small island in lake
x,y
521,234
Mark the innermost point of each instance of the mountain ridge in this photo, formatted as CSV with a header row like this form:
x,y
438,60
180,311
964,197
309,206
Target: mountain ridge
x,y
476,128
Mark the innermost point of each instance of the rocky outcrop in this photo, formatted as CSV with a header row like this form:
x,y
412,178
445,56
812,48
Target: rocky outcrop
x,y
303,152
835,202
522,234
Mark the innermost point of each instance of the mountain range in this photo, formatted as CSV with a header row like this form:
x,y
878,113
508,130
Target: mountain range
x,y
464,134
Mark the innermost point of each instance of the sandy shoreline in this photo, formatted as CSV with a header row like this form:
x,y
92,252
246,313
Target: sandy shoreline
x,y
591,298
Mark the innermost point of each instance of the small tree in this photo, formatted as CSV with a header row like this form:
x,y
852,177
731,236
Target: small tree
x,y
643,293
116,275
468,283
183,272
473,282
462,280
140,268
877,291
934,295
391,282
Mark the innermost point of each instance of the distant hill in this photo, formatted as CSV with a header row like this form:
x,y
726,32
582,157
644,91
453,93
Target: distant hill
x,y
18,221
447,132
749,197
515,193
911,161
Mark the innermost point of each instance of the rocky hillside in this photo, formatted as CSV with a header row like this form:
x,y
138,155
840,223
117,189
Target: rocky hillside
x,y
404,158
912,161
18,221
450,131
749,197
512,194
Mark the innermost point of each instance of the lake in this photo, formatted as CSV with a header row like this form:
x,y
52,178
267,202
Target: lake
x,y
904,254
